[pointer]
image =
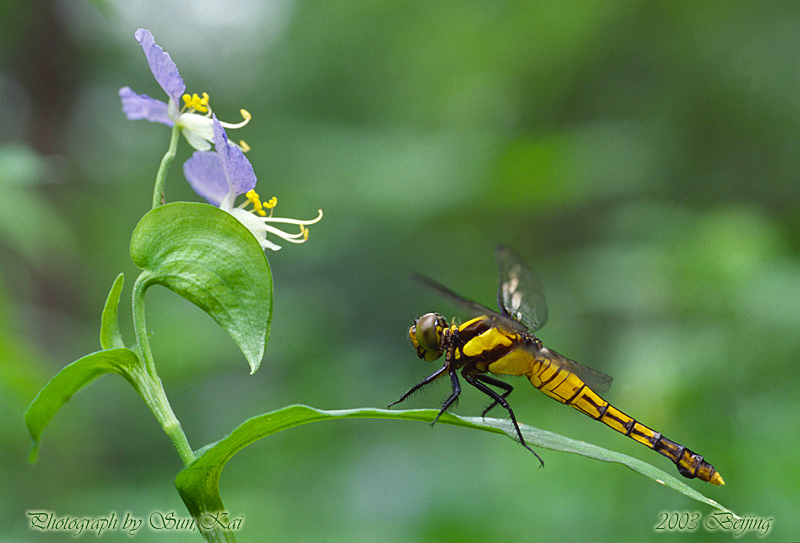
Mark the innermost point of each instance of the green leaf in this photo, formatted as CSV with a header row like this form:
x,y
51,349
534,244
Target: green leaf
x,y
70,380
205,255
198,484
110,336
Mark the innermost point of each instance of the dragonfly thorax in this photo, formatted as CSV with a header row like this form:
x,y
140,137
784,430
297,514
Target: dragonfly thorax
x,y
427,336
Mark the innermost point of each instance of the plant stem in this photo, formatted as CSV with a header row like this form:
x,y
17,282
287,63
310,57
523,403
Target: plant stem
x,y
139,326
150,387
161,176
151,390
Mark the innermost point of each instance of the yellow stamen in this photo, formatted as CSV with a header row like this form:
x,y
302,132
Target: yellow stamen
x,y
299,237
194,102
299,222
258,206
270,205
252,196
243,146
245,114
202,107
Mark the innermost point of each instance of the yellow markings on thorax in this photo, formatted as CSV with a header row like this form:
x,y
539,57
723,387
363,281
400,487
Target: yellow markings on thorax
x,y
486,341
517,362
494,347
471,322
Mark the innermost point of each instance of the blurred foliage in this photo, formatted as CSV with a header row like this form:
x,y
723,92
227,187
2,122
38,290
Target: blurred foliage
x,y
642,155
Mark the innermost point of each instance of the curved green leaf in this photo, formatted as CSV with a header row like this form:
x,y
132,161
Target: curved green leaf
x,y
198,484
206,256
70,380
110,336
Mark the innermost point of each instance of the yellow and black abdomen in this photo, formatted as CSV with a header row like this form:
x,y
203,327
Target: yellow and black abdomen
x,y
566,387
488,348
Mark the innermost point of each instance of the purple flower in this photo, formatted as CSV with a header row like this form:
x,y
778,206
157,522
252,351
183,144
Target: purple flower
x,y
221,175
196,128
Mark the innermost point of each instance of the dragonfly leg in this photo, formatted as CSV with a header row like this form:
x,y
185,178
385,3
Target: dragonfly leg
x,y
432,377
497,383
452,397
502,401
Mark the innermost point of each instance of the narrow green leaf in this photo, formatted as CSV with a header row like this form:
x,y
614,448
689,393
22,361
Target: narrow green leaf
x,y
205,255
70,380
198,484
110,336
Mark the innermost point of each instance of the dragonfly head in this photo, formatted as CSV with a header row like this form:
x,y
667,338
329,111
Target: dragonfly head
x,y
427,336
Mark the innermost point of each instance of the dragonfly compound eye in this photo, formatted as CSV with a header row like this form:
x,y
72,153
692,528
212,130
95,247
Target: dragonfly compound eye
x,y
426,336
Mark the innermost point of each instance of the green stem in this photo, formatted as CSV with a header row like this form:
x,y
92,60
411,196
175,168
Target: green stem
x,y
139,326
151,388
161,176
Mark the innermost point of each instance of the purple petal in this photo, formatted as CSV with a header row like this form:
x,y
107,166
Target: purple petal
x,y
162,66
140,106
238,170
204,173
220,136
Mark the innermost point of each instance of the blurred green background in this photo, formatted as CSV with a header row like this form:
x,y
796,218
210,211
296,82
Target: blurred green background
x,y
643,156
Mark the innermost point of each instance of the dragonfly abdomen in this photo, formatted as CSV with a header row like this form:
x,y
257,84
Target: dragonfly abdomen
x,y
567,388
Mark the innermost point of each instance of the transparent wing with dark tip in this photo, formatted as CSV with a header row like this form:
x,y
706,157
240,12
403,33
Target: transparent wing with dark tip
x,y
520,295
469,307
597,380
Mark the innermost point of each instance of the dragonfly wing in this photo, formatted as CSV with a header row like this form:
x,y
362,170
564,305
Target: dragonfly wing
x,y
597,380
520,295
471,308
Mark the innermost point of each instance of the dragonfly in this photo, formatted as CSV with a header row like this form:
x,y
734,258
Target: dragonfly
x,y
504,343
